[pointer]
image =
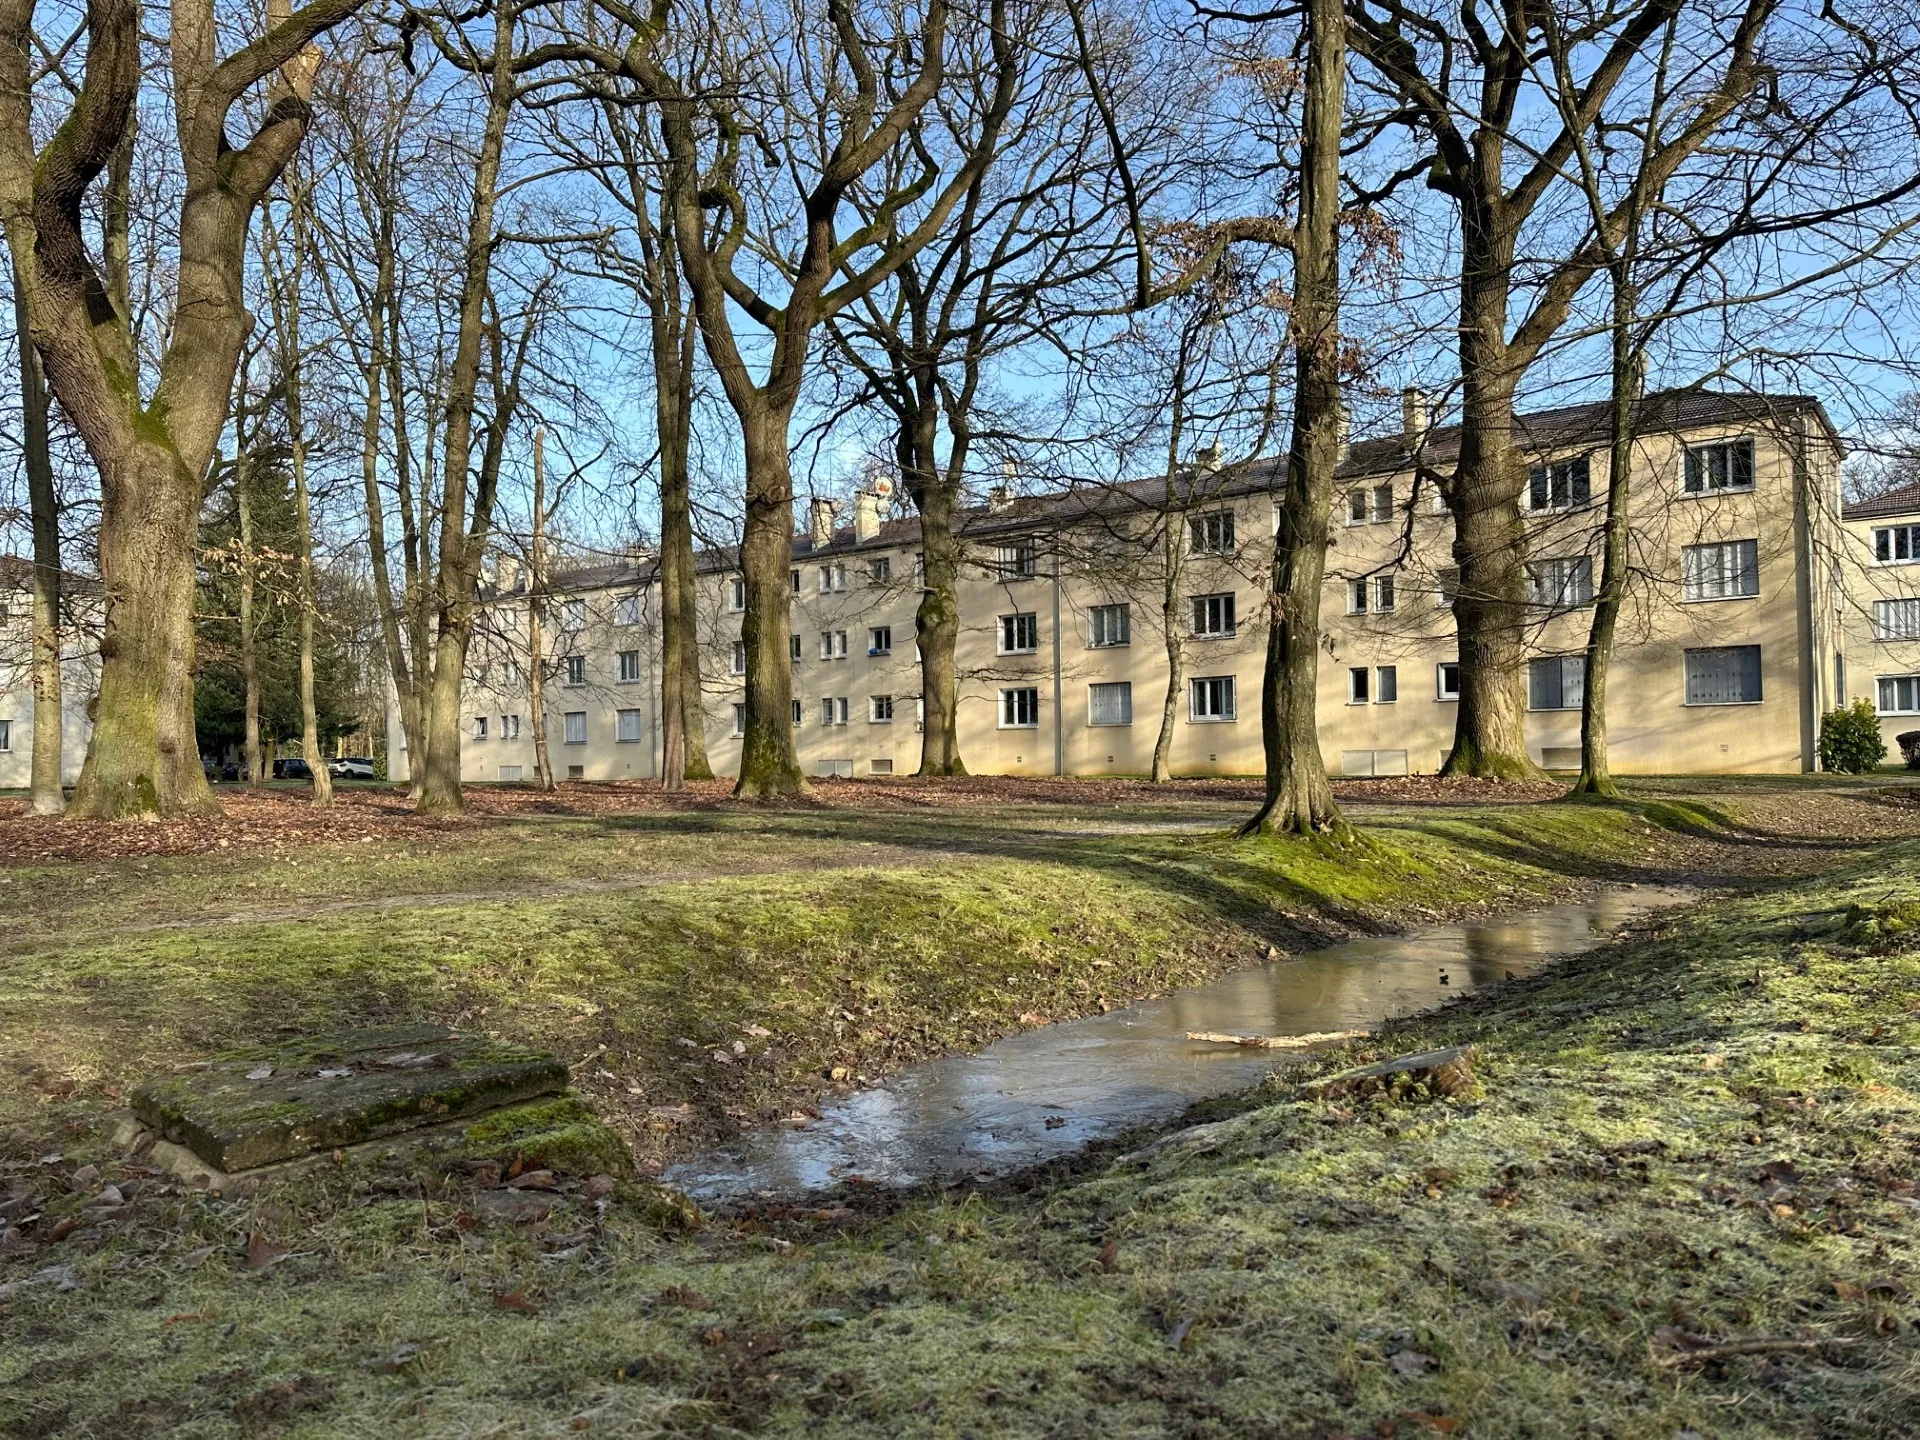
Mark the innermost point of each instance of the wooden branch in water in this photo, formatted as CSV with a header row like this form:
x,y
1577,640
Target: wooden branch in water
x,y
1275,1042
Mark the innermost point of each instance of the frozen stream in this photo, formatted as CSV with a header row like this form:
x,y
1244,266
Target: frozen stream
x,y
1046,1092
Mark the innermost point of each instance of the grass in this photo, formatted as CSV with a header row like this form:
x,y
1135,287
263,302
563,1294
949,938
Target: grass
x,y
1523,1249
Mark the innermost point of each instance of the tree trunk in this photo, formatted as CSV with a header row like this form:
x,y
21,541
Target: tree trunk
x,y
1173,630
1596,777
46,796
249,657
536,618
682,715
1298,799
935,494
1489,542
767,763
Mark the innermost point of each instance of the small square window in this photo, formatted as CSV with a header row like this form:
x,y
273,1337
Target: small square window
x,y
1018,561
509,727
1212,534
573,615
880,570
1019,634
1109,626
880,640
1724,675
880,709
1110,703
1724,465
1210,698
574,727
1446,680
1724,571
627,726
833,710
1213,615
626,610
479,727
1556,682
1560,485
1020,708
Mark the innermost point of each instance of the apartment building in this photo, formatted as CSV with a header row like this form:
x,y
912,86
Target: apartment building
x,y
1878,576
1733,642
79,675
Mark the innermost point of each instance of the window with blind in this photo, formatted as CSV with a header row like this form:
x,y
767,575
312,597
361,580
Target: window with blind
x,y
574,727
1725,465
1899,694
1110,703
627,726
1561,485
1724,675
1896,619
1556,682
1109,626
1726,571
1561,584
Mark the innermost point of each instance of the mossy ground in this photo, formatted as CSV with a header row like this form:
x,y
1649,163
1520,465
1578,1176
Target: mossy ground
x,y
1521,1250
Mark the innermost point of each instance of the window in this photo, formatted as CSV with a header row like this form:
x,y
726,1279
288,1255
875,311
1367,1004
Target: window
x,y
1383,593
509,774
1213,614
1212,534
1896,619
573,614
1019,561
1356,507
1447,585
880,640
626,610
1726,465
629,661
794,576
574,727
880,709
880,570
740,718
1559,485
881,767
509,727
479,727
1020,709
833,710
1556,682
1019,634
739,657
1359,687
1720,572
1110,703
793,648
1386,684
1896,544
576,669
1561,584
1210,699
832,577
798,714
1724,675
576,772
1383,502
833,644
737,598
1356,597
1899,695
1109,626
627,726
1446,680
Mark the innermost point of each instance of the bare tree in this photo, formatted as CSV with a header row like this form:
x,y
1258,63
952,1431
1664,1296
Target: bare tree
x,y
153,453
45,797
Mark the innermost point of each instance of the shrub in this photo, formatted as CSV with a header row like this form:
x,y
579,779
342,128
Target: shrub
x,y
1850,742
1909,743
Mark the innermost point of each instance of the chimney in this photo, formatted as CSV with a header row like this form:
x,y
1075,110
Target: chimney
x,y
1207,462
866,515
1413,415
1343,434
999,498
507,569
820,521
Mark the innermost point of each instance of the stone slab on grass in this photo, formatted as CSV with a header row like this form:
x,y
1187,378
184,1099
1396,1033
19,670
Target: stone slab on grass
x,y
254,1107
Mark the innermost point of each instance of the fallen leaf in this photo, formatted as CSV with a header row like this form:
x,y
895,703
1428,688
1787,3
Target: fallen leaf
x,y
514,1300
532,1180
1848,1292
1108,1256
262,1252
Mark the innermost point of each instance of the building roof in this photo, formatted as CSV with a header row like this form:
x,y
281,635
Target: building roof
x,y
1563,428
16,573
1901,500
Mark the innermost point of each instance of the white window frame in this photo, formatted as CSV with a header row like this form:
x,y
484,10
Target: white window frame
x,y
1883,685
1357,597
1101,627
1887,541
1576,473
1386,678
1705,574
1213,700
626,610
793,649
833,579
1018,561
1214,611
1359,685
576,671
1012,705
624,720
1120,690
879,570
509,727
1359,507
1021,623
1380,512
573,615
1896,618
833,710
1211,533
479,727
628,667
1565,572
1440,691
739,657
1383,594
880,640
568,727
833,644
740,719
737,594
880,709
1696,467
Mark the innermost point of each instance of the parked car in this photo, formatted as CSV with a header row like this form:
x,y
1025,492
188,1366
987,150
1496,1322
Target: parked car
x,y
291,769
351,767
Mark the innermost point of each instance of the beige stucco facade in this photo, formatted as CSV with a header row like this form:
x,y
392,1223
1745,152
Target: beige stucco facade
x,y
1724,661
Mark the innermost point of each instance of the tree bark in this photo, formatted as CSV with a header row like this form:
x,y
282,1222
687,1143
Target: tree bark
x,y
682,715
1173,631
45,796
768,766
536,619
1299,800
935,493
249,656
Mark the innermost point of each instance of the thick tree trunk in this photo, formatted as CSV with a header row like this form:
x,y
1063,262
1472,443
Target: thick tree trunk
x,y
1298,798
537,618
144,759
1489,544
46,796
249,654
936,495
1596,776
767,763
682,716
